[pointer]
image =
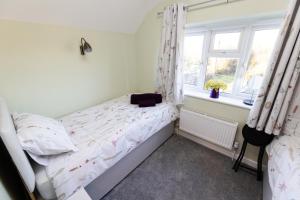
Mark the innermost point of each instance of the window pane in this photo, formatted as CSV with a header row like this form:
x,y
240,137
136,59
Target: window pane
x,y
262,47
222,69
193,46
227,41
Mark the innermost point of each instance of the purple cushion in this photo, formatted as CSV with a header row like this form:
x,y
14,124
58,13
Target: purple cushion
x,y
136,98
147,103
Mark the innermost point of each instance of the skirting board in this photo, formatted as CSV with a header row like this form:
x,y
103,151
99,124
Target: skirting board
x,y
216,148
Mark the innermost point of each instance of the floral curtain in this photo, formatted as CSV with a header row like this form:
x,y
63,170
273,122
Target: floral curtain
x,y
278,89
292,121
170,69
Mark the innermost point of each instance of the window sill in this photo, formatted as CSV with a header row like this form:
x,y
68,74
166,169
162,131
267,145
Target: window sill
x,y
223,100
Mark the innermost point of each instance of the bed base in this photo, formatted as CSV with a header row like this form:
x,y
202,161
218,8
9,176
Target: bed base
x,y
109,179
267,192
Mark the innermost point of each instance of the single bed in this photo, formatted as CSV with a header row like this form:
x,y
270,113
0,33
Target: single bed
x,y
113,138
282,181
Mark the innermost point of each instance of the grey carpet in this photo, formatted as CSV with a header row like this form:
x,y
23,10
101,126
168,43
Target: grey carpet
x,y
183,170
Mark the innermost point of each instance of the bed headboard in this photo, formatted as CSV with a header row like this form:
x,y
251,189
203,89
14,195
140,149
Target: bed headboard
x,y
10,140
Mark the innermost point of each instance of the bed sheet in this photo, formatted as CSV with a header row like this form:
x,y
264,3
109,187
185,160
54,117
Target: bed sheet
x,y
284,167
104,134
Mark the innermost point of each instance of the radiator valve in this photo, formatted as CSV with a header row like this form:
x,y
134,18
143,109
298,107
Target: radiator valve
x,y
236,145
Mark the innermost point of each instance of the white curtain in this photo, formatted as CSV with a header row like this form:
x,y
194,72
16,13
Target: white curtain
x,y
170,69
278,90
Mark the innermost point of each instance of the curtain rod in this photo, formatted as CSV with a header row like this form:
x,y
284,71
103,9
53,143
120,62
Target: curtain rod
x,y
191,6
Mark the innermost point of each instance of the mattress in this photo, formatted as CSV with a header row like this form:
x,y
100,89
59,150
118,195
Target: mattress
x,y
284,167
104,134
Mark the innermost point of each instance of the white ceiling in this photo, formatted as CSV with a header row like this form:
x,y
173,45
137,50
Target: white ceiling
x,y
108,15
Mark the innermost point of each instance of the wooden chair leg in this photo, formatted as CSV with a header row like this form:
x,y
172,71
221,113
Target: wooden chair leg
x,y
259,163
240,158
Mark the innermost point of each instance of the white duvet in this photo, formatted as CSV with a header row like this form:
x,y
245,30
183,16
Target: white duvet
x,y
104,134
284,167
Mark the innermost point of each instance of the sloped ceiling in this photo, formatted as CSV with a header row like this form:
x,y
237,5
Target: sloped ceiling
x,y
105,15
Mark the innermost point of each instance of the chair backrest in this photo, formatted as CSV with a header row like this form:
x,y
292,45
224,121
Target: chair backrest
x,y
12,144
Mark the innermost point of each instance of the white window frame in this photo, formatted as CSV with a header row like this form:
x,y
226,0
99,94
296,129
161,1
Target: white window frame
x,y
247,27
225,30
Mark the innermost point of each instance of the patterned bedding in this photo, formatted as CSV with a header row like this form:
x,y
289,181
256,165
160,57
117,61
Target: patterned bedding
x,y
284,167
104,134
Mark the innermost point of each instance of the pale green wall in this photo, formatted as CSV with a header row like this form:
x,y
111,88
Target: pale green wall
x,y
147,47
42,71
4,195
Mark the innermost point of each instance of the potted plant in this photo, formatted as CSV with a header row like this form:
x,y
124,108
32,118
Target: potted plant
x,y
215,86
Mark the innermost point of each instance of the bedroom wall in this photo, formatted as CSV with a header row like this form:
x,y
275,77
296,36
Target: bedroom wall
x,y
147,45
42,71
3,192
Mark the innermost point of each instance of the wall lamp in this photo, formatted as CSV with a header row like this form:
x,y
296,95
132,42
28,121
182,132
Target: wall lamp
x,y
85,47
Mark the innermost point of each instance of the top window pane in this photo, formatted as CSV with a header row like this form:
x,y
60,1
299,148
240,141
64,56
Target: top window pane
x,y
193,46
227,41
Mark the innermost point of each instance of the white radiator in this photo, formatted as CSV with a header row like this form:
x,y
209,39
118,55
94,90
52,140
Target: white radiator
x,y
214,130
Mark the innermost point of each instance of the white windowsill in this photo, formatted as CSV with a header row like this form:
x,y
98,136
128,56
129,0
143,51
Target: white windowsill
x,y
223,100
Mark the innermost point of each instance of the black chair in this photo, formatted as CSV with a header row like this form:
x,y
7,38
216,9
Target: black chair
x,y
256,138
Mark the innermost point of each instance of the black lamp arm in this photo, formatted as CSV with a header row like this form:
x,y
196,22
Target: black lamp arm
x,y
82,41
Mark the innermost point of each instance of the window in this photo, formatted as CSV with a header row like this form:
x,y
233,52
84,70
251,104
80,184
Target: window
x,y
226,41
223,69
193,46
262,47
238,55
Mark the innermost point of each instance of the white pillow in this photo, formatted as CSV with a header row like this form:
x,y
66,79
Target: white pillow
x,y
42,136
